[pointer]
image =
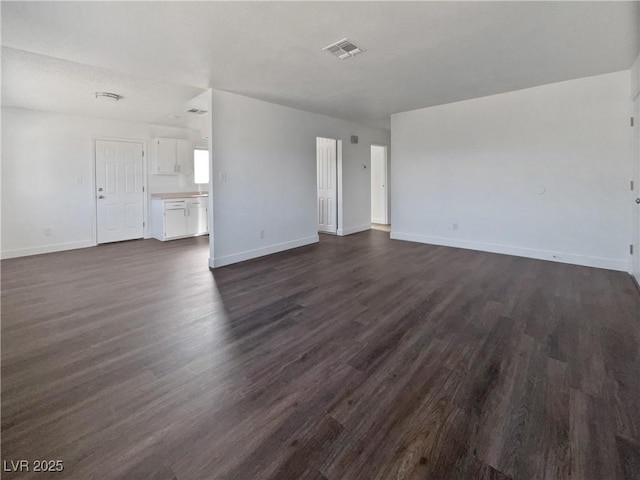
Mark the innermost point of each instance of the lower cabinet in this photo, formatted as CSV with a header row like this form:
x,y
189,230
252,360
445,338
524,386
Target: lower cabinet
x,y
197,218
175,223
178,218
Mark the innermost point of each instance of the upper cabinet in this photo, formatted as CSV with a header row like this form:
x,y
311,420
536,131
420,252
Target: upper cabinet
x,y
185,156
635,79
165,155
171,156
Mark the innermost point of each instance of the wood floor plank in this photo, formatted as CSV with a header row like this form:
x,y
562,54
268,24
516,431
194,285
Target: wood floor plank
x,y
629,457
360,358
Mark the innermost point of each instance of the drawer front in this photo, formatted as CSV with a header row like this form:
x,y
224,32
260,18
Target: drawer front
x,y
175,204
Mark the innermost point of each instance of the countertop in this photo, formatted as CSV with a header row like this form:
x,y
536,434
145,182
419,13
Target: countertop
x,y
168,196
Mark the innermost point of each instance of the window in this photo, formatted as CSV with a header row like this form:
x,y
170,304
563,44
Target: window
x,y
200,166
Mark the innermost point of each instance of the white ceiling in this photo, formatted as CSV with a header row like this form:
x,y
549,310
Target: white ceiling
x,y
418,53
45,83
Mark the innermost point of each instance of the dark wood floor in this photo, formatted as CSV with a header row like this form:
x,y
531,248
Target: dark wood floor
x,y
358,358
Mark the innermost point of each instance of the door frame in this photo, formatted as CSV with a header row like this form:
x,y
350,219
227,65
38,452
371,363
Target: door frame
x,y
94,186
338,184
339,223
386,179
635,193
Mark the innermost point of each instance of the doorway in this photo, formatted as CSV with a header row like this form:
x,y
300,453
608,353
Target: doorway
x,y
379,188
119,191
327,184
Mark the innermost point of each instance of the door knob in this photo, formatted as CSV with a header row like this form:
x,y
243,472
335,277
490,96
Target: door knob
x,y
100,196
100,189
638,201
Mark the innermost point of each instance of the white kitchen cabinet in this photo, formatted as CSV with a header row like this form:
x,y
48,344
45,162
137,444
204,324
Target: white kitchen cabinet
x,y
197,217
184,156
179,217
165,155
171,156
175,223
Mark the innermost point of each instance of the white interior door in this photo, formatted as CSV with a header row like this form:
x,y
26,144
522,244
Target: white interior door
x,y
379,185
635,259
119,195
327,185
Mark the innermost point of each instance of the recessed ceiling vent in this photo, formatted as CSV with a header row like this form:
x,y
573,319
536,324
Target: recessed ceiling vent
x,y
197,111
343,49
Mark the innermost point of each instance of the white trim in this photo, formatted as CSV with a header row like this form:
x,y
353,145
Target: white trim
x,y
358,229
561,257
635,212
212,188
145,198
260,252
56,247
146,233
339,182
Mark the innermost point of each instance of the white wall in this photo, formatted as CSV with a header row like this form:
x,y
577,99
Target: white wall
x,y
268,153
542,172
44,155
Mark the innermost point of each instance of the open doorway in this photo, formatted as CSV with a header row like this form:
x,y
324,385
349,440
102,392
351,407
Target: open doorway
x,y
379,188
327,182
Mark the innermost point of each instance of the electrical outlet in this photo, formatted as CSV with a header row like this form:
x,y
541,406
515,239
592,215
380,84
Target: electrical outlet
x,y
261,233
223,176
79,180
47,232
455,226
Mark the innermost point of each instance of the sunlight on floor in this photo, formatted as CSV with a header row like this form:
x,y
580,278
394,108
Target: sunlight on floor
x,y
379,226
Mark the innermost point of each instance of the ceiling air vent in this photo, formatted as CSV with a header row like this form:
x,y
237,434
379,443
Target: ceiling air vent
x,y
197,111
343,49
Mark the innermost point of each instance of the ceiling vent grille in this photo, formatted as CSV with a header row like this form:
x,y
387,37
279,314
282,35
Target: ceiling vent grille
x,y
196,111
343,49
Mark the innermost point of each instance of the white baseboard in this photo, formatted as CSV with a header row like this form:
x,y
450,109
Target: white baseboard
x,y
379,221
358,229
561,257
57,247
260,252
